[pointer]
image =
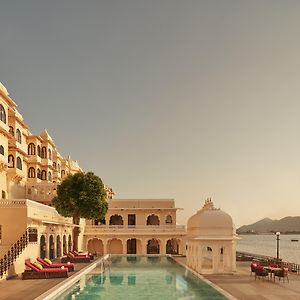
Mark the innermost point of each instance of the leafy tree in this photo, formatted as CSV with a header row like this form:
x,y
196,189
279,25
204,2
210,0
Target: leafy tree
x,y
81,195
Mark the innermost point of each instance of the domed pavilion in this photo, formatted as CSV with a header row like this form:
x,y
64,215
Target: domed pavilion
x,y
211,241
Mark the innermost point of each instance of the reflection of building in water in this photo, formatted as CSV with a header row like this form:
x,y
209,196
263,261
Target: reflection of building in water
x,y
211,241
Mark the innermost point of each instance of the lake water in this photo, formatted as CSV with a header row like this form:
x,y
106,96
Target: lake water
x,y
266,245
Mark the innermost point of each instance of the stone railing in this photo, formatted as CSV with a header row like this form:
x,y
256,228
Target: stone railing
x,y
12,254
100,229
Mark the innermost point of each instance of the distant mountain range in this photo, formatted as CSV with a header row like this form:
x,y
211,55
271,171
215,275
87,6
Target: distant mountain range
x,y
266,225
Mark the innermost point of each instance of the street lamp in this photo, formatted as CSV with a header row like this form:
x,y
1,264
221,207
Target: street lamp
x,y
277,240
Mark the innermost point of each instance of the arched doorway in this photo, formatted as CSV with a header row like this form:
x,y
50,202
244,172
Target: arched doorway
x,y
95,246
70,243
51,247
153,220
116,220
115,246
65,248
172,246
153,246
207,258
42,247
58,246
131,246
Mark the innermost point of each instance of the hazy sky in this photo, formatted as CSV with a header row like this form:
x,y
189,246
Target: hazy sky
x,y
166,98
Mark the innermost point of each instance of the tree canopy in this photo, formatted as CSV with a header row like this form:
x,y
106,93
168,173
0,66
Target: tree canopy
x,y
81,195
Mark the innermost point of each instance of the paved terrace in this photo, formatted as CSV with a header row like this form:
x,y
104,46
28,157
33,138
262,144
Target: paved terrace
x,y
239,285
16,288
244,287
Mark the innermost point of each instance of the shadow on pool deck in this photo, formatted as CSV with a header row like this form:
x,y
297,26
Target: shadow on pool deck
x,y
16,288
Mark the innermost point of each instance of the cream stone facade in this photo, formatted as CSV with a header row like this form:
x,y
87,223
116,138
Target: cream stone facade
x,y
30,169
211,241
136,226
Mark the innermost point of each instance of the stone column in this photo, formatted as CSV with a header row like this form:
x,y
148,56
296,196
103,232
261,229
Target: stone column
x,y
144,245
104,241
124,242
215,258
162,246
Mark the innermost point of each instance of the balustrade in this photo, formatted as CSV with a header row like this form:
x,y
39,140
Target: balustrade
x,y
12,254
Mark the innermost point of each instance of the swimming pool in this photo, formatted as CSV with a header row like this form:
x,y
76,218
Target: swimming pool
x,y
140,277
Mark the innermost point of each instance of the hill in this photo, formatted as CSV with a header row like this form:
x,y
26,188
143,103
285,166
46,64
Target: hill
x,y
266,225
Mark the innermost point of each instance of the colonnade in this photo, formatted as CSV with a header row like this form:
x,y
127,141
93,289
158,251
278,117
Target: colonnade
x,y
139,245
211,256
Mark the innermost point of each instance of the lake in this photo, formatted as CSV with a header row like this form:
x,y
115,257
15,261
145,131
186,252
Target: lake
x,y
265,244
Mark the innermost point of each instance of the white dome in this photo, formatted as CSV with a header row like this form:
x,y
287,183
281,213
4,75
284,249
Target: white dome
x,y
210,222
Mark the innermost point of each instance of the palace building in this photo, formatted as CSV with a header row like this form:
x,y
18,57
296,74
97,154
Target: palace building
x,y
30,170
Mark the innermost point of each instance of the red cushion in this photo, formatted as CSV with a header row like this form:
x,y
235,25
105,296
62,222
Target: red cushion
x,y
61,265
54,270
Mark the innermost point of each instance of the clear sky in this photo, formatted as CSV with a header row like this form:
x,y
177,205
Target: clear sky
x,y
166,98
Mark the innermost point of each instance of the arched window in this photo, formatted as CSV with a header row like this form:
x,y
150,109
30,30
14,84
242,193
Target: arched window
x,y
153,220
63,173
54,165
18,136
1,150
116,220
31,172
39,150
11,161
11,130
38,173
49,176
49,154
43,175
58,167
2,114
3,197
44,152
19,163
31,149
169,219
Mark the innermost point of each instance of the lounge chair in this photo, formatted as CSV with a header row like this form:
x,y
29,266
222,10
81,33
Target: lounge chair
x,y
253,268
282,273
70,257
38,272
76,253
261,272
47,263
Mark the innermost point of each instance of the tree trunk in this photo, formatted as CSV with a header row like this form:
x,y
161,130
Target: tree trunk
x,y
76,220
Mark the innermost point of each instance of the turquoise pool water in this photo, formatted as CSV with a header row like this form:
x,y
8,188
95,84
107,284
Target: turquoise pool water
x,y
141,278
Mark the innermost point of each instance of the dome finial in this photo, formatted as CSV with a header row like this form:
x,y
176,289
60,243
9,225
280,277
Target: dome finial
x,y
208,204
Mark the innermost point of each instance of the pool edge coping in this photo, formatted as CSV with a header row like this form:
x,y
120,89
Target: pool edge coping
x,y
213,285
65,284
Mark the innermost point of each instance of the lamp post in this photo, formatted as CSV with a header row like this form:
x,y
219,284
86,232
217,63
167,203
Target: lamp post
x,y
277,243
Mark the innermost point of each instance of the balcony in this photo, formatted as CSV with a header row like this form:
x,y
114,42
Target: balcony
x,y
34,159
135,229
3,163
36,211
15,174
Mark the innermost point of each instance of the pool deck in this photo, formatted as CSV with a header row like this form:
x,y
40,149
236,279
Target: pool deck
x,y
244,287
16,288
240,285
